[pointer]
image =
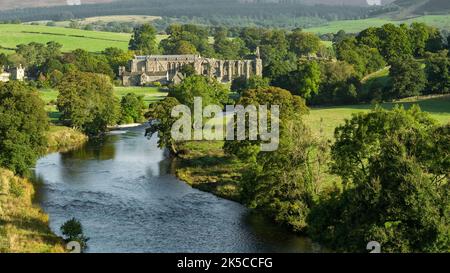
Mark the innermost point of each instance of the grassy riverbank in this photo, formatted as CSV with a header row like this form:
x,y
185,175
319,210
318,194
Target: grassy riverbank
x,y
61,139
204,165
23,225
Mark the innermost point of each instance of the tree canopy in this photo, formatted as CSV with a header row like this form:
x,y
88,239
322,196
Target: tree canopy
x,y
86,101
23,123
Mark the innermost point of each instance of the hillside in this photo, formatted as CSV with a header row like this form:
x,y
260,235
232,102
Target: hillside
x,y
354,26
410,8
24,227
13,4
94,41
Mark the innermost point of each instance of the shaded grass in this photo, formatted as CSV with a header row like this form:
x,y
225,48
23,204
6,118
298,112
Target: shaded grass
x,y
204,165
23,225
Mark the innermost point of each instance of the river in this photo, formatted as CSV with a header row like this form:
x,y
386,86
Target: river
x,y
122,191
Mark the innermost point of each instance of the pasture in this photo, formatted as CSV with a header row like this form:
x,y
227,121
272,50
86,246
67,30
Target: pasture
x,y
323,120
354,26
71,39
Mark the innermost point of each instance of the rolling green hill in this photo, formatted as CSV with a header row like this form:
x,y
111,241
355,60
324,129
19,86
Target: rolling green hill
x,y
94,41
353,26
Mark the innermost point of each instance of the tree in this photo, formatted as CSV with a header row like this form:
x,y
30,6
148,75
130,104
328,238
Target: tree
x,y
395,42
407,79
304,43
395,190
365,59
88,62
227,48
370,37
132,108
188,70
419,34
187,39
338,84
160,114
73,231
184,48
241,84
35,55
435,42
144,40
438,73
282,183
291,107
23,123
211,91
309,78
117,57
86,101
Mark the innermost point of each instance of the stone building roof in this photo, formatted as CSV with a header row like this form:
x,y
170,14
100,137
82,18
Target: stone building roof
x,y
168,57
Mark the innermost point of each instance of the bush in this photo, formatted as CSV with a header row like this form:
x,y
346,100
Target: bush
x,y
73,231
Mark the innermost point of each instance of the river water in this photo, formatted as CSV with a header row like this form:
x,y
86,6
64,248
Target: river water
x,y
123,193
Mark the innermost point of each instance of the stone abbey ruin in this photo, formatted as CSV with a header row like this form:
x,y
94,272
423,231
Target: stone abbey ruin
x,y
165,69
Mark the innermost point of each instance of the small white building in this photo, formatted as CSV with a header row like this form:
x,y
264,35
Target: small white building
x,y
16,73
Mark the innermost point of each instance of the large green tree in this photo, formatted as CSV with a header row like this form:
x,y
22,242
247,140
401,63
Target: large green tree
x,y
395,168
187,39
438,73
304,43
291,107
132,108
86,101
161,122
210,90
144,40
23,123
407,79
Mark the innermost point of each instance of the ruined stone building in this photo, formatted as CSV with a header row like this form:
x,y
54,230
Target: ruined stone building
x,y
166,68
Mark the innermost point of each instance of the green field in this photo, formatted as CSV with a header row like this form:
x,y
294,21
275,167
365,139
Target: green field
x,y
151,94
93,41
353,26
324,120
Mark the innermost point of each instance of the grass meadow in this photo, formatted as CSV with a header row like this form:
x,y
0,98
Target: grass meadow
x,y
353,26
71,39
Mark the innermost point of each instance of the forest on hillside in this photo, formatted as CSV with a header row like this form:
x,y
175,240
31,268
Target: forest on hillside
x,y
190,8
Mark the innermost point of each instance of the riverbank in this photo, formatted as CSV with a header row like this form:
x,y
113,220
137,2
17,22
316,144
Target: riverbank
x,y
24,227
63,139
204,165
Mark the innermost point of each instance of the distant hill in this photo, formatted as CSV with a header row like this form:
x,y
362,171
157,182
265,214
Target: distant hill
x,y
403,9
13,4
420,7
